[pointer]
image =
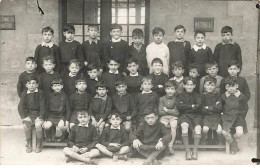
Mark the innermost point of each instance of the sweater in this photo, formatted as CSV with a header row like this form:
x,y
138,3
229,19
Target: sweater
x,y
170,103
93,53
83,136
119,136
69,83
124,105
224,53
79,101
110,79
45,80
150,134
213,101
91,89
21,85
146,100
161,51
158,80
42,51
70,50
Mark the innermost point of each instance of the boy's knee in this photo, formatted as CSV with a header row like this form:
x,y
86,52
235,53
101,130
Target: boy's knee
x,y
173,124
224,132
38,125
71,125
197,129
67,151
47,125
184,127
205,129
239,132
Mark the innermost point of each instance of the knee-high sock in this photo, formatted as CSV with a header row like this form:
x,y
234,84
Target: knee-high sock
x,y
196,141
185,140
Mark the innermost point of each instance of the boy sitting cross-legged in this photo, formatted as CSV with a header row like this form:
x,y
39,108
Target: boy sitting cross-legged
x,y
168,111
151,137
82,140
114,140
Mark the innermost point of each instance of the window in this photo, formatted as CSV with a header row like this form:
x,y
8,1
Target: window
x,y
130,14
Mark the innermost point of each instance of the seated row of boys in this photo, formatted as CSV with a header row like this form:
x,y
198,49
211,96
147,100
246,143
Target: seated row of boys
x,y
189,103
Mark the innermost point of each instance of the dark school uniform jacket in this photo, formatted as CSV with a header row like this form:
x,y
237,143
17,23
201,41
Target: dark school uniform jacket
x,y
70,50
45,80
92,52
146,100
158,80
110,79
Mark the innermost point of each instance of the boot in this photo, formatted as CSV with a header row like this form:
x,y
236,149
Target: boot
x,y
29,146
123,157
38,146
203,139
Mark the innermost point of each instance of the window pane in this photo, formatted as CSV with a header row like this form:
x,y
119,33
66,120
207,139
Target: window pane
x,y
142,20
75,11
113,19
91,14
132,20
131,11
78,29
124,30
78,38
122,12
122,20
143,11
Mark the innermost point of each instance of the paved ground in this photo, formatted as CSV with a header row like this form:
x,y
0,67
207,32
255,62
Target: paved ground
x,y
13,152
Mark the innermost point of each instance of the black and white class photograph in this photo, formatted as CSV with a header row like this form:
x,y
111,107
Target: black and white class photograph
x,y
129,82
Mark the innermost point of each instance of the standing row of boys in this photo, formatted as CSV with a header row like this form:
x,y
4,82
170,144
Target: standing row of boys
x,y
104,87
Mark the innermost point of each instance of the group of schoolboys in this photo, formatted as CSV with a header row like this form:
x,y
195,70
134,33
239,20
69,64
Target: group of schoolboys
x,y
99,91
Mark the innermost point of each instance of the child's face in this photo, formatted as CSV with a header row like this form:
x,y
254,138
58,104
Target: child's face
x,y
69,35
233,70
137,40
113,66
74,68
93,32
121,89
30,66
93,74
132,68
101,91
115,121
226,37
212,71
81,86
179,33
199,38
147,86
170,91
194,73
31,85
232,89
209,86
116,34
158,38
151,119
178,71
56,87
157,67
83,119
189,86
47,36
48,66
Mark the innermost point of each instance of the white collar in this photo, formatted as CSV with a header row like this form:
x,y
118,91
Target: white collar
x,y
90,40
230,42
50,44
113,72
178,79
35,91
71,75
196,48
182,40
80,125
115,127
96,79
98,97
144,92
114,40
134,74
69,41
237,94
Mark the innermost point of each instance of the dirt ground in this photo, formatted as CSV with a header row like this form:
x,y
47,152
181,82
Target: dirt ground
x,y
13,153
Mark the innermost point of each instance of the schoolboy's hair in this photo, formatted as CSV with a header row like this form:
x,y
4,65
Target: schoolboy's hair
x,y
81,112
137,32
157,30
131,60
48,29
74,61
30,59
157,60
93,26
101,84
199,32
227,29
92,66
56,81
210,64
146,79
69,28
48,58
179,27
120,82
30,78
149,110
194,66
116,26
170,84
81,78
210,79
231,81
113,59
177,64
117,115
188,78
233,62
